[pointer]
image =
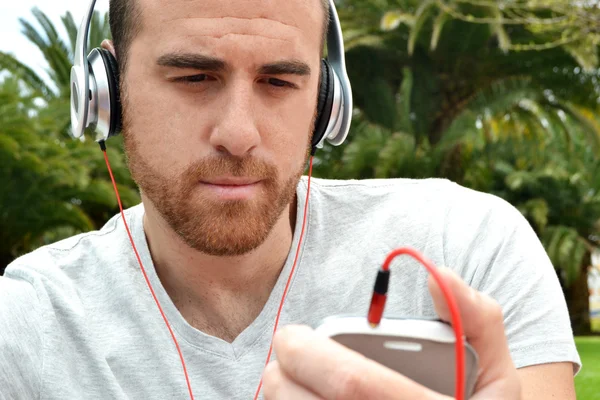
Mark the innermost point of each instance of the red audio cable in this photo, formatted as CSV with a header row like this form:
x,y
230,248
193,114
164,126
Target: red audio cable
x,y
380,296
287,285
187,378
283,297
377,302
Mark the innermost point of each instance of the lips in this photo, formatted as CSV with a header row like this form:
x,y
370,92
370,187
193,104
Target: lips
x,y
231,181
232,188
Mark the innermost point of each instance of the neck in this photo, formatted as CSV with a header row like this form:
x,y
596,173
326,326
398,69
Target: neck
x,y
218,295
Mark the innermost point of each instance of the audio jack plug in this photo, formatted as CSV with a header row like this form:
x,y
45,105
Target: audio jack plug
x,y
379,298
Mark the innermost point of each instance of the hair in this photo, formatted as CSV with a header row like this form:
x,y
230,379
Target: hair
x,y
126,22
326,20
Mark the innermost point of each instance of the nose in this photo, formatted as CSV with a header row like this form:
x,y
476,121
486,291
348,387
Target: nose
x,y
236,131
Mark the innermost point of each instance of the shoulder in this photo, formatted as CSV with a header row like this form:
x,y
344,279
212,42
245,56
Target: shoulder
x,y
22,331
43,286
57,269
75,252
427,198
454,225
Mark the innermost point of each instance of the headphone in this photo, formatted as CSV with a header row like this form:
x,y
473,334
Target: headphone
x,y
95,100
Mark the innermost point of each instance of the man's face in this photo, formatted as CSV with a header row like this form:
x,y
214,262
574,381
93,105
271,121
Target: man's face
x,y
219,106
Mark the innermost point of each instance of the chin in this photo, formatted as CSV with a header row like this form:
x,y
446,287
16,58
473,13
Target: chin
x,y
227,228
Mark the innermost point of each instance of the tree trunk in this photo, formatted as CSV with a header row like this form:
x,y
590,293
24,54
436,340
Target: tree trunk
x,y
578,301
5,259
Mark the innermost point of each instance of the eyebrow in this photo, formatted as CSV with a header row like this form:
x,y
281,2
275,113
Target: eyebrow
x,y
213,64
291,67
192,61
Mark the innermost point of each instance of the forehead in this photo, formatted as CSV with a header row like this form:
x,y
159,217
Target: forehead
x,y
290,25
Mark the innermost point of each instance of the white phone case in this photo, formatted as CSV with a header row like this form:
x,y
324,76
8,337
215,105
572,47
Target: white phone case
x,y
420,349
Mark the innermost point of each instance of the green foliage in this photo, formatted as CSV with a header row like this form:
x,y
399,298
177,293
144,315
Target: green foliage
x,y
40,178
566,249
587,382
499,96
53,186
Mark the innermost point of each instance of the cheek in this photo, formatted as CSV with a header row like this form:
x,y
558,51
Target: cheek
x,y
286,131
163,126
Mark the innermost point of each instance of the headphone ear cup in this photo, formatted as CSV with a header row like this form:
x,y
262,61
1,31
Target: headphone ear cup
x,y
112,72
324,103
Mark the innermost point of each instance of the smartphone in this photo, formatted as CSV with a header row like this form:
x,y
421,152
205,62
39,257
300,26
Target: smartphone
x,y
420,349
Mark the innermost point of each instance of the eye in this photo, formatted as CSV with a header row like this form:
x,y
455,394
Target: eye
x,y
279,83
192,79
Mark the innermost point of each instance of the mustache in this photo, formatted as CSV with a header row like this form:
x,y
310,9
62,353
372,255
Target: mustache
x,y
226,165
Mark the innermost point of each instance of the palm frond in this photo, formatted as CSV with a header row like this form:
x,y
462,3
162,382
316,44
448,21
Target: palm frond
x,y
359,155
33,35
99,29
499,31
61,68
438,26
47,26
71,28
398,149
404,102
422,15
498,98
29,76
566,250
537,212
587,120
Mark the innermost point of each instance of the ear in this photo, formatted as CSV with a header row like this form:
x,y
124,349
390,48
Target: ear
x,y
108,45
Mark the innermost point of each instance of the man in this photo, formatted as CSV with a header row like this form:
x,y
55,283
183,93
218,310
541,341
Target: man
x,y
217,144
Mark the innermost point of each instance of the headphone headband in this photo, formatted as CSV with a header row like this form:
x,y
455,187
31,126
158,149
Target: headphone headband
x,y
338,128
80,77
95,90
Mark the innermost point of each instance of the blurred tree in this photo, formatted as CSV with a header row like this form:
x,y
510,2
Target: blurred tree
x,y
553,179
452,51
500,96
55,186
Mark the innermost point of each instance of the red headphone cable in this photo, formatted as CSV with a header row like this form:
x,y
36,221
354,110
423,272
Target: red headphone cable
x,y
287,285
376,307
380,296
187,379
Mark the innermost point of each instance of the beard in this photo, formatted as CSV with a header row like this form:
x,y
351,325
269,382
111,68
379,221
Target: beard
x,y
211,226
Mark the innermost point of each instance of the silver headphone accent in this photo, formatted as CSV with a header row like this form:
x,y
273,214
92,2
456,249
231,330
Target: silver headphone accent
x,y
80,78
341,112
90,89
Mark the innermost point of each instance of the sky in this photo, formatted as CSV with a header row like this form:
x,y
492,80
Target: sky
x,y
13,41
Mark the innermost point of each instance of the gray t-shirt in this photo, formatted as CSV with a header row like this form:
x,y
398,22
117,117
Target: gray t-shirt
x,y
77,320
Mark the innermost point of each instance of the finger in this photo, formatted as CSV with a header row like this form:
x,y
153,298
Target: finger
x,y
333,371
483,325
277,386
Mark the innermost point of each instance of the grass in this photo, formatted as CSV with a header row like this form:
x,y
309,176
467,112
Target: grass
x,y
587,382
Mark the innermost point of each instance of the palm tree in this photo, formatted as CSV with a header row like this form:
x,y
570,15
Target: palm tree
x,y
56,186
451,51
40,178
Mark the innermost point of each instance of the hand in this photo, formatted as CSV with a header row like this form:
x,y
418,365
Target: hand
x,y
314,367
